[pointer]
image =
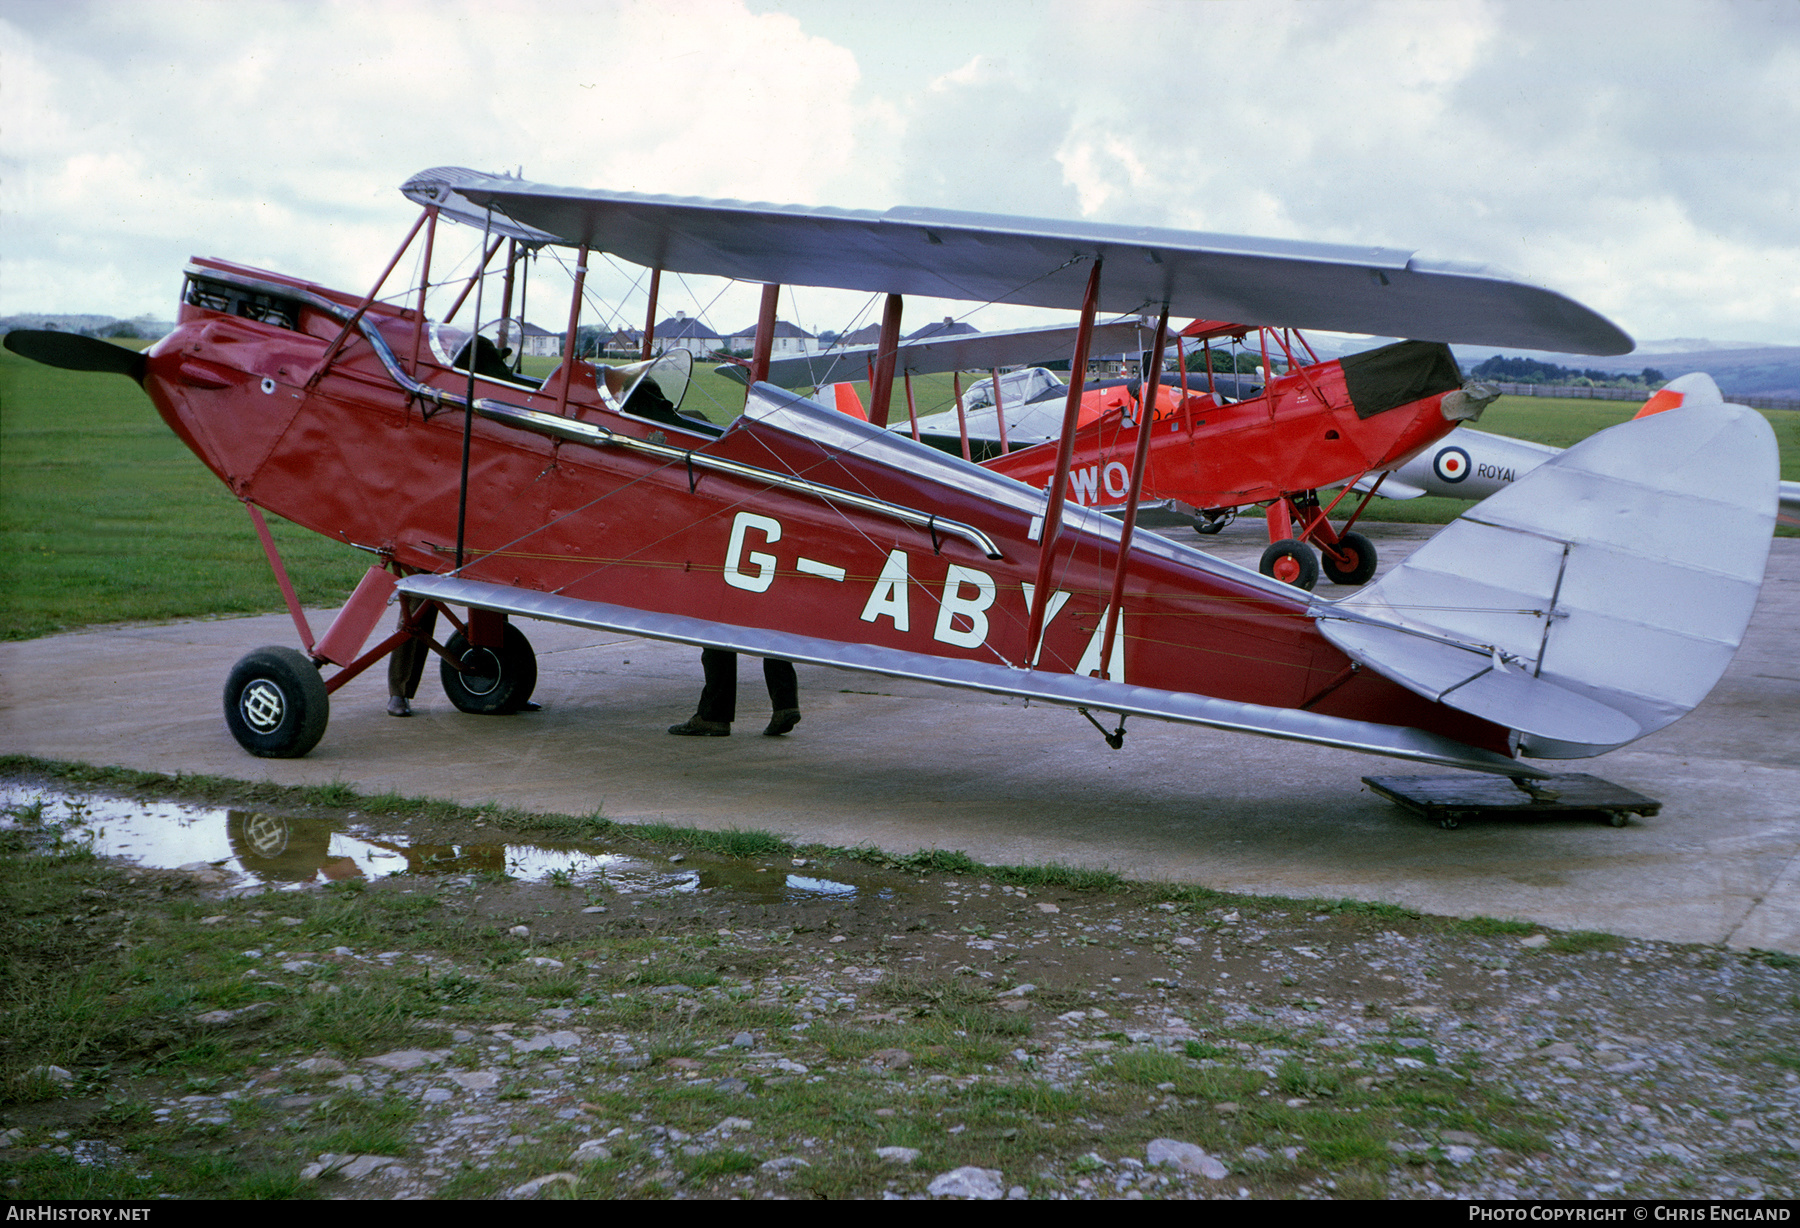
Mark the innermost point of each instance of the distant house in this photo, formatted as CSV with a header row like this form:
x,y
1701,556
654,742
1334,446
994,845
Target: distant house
x,y
625,341
949,328
868,334
683,333
536,342
790,340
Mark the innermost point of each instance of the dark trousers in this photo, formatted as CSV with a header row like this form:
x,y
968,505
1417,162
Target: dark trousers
x,y
406,664
718,700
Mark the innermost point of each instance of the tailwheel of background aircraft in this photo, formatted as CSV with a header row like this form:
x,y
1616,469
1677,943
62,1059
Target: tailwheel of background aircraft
x,y
1212,519
1291,562
276,705
1352,561
490,682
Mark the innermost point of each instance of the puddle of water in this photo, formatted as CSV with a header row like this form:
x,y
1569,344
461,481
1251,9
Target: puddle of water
x,y
270,851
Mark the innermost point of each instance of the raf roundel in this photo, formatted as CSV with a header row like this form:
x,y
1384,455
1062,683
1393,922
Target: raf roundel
x,y
1451,464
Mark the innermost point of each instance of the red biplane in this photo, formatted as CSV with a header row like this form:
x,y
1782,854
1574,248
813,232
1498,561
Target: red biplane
x,y
1525,629
1217,444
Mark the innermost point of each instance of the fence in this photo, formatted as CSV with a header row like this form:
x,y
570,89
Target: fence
x,y
1632,394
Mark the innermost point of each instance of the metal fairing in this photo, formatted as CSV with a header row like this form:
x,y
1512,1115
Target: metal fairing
x,y
1596,599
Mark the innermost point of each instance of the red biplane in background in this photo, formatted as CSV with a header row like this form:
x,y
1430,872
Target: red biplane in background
x,y
588,498
1216,444
1319,424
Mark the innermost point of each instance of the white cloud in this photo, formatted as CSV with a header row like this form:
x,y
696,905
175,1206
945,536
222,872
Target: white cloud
x,y
1643,157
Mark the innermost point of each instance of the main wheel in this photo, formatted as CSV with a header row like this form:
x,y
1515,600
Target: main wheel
x,y
1291,562
491,682
276,705
1355,561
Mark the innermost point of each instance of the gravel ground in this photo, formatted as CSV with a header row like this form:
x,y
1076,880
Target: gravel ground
x,y
693,1025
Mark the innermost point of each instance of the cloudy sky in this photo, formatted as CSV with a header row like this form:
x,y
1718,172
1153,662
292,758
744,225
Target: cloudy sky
x,y
1643,157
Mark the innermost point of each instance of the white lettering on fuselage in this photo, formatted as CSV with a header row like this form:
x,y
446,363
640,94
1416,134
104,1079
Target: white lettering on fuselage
x,y
734,553
954,606
1084,484
1090,658
889,597
962,617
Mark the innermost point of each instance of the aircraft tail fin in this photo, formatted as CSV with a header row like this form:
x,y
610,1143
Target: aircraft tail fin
x,y
1689,391
1593,601
842,397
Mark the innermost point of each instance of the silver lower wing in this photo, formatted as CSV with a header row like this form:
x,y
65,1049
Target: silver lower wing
x,y
1066,690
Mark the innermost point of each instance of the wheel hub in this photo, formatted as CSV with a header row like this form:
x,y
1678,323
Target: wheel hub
x,y
480,671
262,705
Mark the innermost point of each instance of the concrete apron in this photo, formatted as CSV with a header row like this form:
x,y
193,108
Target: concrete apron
x,y
907,766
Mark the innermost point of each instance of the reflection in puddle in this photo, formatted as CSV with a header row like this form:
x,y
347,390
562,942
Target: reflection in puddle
x,y
280,852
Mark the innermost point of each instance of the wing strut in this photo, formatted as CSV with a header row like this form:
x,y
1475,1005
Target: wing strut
x,y
1000,412
470,285
881,383
650,314
962,418
462,489
1146,426
337,343
568,367
431,216
1065,457
765,337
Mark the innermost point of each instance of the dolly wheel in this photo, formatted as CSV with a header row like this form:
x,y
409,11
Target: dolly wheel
x,y
1351,561
1291,562
276,705
490,682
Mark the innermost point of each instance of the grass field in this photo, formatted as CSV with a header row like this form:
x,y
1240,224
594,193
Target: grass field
x,y
105,516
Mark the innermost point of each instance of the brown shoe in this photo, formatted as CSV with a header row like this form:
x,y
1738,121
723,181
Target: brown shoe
x,y
783,720
694,727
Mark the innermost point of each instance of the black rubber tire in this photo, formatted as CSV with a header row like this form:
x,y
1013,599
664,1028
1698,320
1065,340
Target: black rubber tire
x,y
276,705
1364,569
498,683
1306,563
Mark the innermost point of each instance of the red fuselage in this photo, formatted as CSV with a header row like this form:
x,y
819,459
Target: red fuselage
x,y
1303,433
361,459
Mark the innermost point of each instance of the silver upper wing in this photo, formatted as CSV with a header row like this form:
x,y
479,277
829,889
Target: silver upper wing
x,y
984,257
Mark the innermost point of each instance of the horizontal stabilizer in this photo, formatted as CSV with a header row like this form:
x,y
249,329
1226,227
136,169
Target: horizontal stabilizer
x,y
1596,599
1067,690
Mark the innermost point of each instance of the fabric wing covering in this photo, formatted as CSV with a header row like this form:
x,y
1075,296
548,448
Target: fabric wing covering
x,y
983,257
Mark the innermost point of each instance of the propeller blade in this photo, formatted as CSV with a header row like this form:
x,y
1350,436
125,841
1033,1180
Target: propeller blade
x,y
73,352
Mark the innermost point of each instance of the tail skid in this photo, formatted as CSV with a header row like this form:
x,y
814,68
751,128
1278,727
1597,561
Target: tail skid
x,y
1595,600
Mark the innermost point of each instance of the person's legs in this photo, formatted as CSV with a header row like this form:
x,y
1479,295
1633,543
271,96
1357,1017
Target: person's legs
x,y
718,698
784,696
406,664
